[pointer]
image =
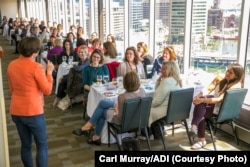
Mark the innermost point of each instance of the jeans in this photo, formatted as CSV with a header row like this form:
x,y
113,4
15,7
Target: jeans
x,y
99,116
28,126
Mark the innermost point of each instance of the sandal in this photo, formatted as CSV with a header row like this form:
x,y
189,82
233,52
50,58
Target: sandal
x,y
198,145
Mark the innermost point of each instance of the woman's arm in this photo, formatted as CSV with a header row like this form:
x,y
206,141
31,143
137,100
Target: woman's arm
x,y
86,78
210,87
121,68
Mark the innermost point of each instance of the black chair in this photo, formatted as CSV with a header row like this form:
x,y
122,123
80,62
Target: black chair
x,y
53,59
229,111
179,106
134,118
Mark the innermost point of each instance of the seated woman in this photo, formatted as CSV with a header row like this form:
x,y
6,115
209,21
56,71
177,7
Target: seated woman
x,y
169,80
168,54
207,105
131,83
83,62
56,50
109,52
68,51
94,68
131,63
145,56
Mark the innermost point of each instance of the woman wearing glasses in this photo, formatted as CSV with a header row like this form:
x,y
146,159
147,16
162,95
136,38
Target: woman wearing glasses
x,y
94,68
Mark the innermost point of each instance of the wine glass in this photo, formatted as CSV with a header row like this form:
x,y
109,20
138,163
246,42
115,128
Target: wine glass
x,y
70,60
114,82
119,80
105,78
64,58
99,79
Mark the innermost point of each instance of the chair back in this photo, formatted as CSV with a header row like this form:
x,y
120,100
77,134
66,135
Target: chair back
x,y
135,113
232,104
112,69
53,59
179,105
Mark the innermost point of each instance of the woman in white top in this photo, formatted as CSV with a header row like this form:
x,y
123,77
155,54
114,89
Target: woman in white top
x,y
168,81
207,105
131,63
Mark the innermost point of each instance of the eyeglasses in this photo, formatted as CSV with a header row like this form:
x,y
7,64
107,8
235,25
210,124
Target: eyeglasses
x,y
96,57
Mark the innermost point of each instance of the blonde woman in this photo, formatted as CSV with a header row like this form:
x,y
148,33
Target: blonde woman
x,y
169,80
144,55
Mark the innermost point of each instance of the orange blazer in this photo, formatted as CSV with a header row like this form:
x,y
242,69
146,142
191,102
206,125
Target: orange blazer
x,y
28,83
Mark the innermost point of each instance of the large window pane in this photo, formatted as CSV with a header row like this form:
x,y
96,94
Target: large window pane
x,y
138,21
215,27
169,27
247,78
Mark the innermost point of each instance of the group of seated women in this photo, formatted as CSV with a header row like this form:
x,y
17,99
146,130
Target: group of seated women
x,y
205,103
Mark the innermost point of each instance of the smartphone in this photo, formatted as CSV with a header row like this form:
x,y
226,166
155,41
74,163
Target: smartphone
x,y
45,60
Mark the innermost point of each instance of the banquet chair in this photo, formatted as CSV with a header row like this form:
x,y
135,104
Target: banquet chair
x,y
229,111
148,70
179,106
134,118
112,69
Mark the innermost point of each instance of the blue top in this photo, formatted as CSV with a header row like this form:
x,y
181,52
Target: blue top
x,y
81,65
90,73
157,66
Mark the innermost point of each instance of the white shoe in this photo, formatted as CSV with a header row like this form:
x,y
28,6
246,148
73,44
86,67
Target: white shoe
x,y
151,137
198,145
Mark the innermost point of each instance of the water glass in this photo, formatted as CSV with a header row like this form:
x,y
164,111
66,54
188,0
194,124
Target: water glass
x,y
64,58
106,79
71,60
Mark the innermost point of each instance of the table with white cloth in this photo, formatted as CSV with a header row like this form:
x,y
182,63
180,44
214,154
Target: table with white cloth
x,y
63,69
99,92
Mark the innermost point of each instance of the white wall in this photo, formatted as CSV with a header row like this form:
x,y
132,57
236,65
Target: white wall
x,y
8,8
4,149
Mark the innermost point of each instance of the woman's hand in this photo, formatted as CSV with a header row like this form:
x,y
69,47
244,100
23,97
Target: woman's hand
x,y
198,100
116,108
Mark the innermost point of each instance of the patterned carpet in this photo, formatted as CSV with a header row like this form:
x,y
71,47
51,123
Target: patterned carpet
x,y
66,150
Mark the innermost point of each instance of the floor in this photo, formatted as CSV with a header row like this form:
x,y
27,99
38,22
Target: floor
x,y
67,150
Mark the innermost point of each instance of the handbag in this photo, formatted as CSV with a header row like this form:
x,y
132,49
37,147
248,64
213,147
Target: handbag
x,y
131,144
64,103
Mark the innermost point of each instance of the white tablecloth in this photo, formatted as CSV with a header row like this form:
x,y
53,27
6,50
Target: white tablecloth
x,y
96,94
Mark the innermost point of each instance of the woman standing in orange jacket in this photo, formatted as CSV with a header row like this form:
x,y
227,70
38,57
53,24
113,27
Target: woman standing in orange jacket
x,y
28,83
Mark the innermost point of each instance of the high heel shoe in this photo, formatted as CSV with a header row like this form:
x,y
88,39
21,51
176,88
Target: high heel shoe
x,y
80,132
96,142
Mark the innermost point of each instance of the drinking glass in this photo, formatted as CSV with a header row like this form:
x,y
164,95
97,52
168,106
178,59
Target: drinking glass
x,y
99,79
106,79
119,80
70,60
114,82
64,58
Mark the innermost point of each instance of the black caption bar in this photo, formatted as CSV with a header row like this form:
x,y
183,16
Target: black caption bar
x,y
163,158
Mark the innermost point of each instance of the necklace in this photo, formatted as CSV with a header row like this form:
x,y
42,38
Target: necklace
x,y
132,68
